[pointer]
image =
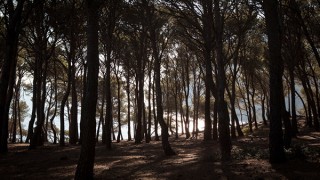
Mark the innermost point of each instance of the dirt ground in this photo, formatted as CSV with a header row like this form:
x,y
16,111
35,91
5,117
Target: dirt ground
x,y
195,160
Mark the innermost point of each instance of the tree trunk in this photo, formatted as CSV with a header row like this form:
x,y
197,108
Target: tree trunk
x,y
249,103
128,115
84,89
224,131
63,104
186,84
157,65
101,119
155,112
293,102
8,67
207,36
276,144
87,154
148,136
119,108
73,129
34,106
263,109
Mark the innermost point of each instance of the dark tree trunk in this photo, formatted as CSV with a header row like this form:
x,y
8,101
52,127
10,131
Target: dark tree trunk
x,y
215,121
34,107
140,86
37,138
108,117
63,104
101,119
148,136
287,124
276,143
42,56
263,109
186,84
254,113
157,73
84,89
87,154
109,40
73,129
207,36
293,102
249,104
156,123
164,128
176,107
14,117
128,115
8,67
55,105
224,131
119,108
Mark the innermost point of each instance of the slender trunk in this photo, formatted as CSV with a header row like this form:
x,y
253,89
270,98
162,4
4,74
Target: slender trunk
x,y
293,103
185,82
215,120
128,116
254,114
148,136
101,119
263,109
14,118
20,124
84,91
108,116
73,129
63,104
34,106
249,104
119,109
157,65
155,112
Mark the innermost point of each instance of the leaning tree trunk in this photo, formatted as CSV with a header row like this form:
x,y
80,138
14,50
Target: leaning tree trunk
x,y
157,65
63,103
86,161
34,107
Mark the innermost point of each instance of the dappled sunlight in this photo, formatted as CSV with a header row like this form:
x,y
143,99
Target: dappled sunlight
x,y
196,159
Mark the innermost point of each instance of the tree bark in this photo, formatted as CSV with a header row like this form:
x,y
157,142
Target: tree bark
x,y
207,36
224,130
9,66
276,144
86,161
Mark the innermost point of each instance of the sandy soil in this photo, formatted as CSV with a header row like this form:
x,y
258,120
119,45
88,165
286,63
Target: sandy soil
x,y
195,160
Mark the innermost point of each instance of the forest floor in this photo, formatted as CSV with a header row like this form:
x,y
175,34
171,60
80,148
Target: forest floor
x,y
196,159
